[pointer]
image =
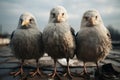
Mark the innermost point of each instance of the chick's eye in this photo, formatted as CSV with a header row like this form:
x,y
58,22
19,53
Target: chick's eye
x,y
62,14
31,20
53,14
96,17
86,18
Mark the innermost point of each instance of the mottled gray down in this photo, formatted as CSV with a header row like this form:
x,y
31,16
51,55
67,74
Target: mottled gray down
x,y
93,42
59,41
58,36
26,42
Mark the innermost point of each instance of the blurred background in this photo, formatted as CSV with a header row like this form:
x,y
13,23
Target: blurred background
x,y
10,11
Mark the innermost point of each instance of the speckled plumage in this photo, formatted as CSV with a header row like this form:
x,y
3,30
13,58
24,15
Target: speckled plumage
x,y
93,39
59,41
58,36
26,44
93,45
26,41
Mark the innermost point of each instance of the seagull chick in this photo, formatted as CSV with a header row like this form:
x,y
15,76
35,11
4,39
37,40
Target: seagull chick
x,y
58,37
93,39
26,42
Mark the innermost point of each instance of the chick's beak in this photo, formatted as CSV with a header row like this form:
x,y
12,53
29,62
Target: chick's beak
x,y
25,22
92,21
59,18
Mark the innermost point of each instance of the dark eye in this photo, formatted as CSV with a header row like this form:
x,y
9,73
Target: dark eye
x,y
96,17
53,14
86,18
31,20
62,14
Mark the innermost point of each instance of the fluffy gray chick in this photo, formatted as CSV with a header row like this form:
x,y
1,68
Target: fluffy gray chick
x,y
93,39
26,42
58,37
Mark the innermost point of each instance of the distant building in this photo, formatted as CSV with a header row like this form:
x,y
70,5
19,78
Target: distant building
x,y
4,38
4,41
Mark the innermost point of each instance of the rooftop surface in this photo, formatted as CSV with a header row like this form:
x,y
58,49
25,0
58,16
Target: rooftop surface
x,y
9,63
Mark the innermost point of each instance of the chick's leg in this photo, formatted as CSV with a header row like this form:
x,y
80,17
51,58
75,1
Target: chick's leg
x,y
55,70
20,70
37,71
68,73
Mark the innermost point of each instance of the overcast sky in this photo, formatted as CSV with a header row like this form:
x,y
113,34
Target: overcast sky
x,y
10,11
